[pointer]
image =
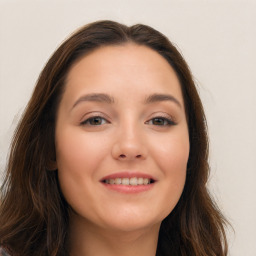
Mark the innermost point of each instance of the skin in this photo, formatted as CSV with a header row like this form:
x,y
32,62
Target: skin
x,y
128,137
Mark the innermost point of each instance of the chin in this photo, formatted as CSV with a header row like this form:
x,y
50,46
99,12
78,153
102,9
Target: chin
x,y
133,226
132,221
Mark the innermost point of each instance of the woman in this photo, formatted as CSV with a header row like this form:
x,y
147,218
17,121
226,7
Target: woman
x,y
111,155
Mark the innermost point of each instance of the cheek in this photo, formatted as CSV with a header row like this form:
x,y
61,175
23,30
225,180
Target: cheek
x,y
171,157
172,153
78,158
78,152
176,157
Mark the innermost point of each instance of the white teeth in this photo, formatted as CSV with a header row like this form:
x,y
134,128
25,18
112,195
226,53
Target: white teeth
x,y
134,181
118,181
140,181
145,181
125,181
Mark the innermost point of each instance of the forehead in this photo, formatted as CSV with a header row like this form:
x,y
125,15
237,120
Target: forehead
x,y
123,70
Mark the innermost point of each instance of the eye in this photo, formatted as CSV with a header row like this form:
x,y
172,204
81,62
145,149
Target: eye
x,y
161,121
94,121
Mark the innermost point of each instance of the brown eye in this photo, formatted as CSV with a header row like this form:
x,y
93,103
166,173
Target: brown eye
x,y
160,121
97,120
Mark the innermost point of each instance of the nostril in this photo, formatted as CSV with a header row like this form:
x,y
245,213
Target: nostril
x,y
124,156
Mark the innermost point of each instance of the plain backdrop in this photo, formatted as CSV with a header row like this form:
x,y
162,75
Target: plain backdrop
x,y
218,40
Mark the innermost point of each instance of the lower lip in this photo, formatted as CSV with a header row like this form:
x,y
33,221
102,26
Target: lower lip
x,y
129,189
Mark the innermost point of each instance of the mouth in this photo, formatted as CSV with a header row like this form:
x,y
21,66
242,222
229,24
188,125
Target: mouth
x,y
134,181
126,182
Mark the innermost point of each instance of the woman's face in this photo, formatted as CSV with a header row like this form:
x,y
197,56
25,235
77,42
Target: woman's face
x,y
122,121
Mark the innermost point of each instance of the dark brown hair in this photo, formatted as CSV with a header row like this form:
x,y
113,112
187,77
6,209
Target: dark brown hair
x,y
34,216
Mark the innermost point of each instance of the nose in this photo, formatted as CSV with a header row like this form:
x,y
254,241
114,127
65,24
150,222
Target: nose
x,y
129,145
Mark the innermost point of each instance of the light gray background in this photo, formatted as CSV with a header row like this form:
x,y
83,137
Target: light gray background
x,y
218,40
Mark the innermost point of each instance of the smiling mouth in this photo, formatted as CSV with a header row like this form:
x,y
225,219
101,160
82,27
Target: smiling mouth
x,y
134,181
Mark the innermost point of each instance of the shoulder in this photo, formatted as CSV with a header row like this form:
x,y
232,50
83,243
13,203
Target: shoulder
x,y
3,252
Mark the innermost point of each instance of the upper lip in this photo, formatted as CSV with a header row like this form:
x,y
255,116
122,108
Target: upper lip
x,y
126,174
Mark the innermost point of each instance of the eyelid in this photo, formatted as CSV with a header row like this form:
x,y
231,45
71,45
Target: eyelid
x,y
92,115
167,117
171,120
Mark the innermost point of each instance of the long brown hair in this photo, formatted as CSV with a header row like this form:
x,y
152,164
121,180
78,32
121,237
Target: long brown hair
x,y
34,216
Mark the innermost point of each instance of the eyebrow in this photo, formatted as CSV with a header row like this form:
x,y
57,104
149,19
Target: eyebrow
x,y
161,97
98,97
105,98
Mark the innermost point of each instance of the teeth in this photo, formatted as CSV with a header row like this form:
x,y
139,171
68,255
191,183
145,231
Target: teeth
x,y
140,181
125,181
134,181
146,181
118,181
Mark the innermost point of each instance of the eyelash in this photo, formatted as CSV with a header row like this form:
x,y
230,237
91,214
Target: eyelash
x,y
88,120
165,120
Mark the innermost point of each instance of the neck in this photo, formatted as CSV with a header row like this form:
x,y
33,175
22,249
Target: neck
x,y
88,240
